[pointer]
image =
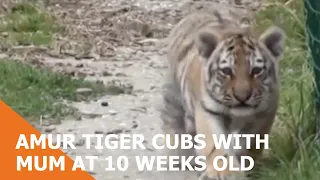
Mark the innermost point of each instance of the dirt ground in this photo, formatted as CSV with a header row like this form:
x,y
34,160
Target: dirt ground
x,y
115,40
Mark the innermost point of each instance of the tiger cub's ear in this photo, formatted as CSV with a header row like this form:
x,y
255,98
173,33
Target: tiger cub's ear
x,y
206,42
274,39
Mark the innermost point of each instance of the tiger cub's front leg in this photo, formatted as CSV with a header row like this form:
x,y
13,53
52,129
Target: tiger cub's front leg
x,y
173,129
174,119
209,124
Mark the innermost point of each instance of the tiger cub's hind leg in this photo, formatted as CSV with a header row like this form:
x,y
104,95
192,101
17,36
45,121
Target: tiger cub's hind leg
x,y
174,121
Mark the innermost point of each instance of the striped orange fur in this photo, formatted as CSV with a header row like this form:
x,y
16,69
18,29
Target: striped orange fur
x,y
222,79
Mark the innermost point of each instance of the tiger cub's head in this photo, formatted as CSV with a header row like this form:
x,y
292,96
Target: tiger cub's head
x,y
241,71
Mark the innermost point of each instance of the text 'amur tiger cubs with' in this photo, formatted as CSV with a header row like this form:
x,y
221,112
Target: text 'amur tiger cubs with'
x,y
222,80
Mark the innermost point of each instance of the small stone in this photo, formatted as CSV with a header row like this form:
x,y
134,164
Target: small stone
x,y
151,64
115,131
84,90
122,124
134,126
81,142
49,129
106,73
127,65
140,109
79,118
112,112
121,75
104,103
92,173
98,132
79,65
104,116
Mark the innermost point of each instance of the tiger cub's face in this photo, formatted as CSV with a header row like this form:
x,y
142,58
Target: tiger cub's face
x,y
240,71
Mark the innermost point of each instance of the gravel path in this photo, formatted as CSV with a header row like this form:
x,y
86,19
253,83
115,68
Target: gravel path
x,y
136,62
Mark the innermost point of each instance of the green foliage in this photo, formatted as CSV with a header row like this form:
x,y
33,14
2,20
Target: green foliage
x,y
294,153
32,92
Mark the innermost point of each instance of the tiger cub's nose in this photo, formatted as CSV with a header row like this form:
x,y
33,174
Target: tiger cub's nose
x,y
242,95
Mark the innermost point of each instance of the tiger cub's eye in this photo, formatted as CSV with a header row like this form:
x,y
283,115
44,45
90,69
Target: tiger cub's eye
x,y
256,70
227,71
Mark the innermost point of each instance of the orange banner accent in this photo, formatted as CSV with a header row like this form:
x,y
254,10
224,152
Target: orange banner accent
x,y
12,126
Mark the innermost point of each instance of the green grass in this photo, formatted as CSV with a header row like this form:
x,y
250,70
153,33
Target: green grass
x,y
32,92
27,24
294,155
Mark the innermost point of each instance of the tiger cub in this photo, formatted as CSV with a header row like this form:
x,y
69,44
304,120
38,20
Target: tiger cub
x,y
222,79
